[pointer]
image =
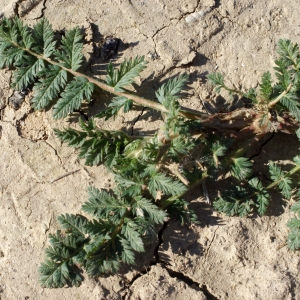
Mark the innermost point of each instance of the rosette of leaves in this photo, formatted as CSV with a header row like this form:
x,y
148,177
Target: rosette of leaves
x,y
152,173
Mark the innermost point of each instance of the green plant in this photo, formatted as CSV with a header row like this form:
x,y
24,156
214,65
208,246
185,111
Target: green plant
x,y
152,173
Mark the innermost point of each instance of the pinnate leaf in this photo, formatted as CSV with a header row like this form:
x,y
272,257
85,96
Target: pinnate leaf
x,y
241,168
145,208
75,92
71,54
26,73
124,76
44,38
52,81
284,182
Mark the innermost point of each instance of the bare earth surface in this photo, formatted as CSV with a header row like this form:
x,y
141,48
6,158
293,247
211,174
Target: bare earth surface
x,y
222,258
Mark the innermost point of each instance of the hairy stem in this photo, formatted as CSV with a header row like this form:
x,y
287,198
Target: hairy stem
x,y
293,171
276,100
222,121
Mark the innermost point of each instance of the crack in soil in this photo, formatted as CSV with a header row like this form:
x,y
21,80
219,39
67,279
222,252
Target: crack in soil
x,y
16,8
213,238
174,274
46,230
42,11
190,12
156,256
137,119
56,154
262,145
191,283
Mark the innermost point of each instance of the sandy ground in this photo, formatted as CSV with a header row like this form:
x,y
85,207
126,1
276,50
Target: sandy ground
x,y
222,258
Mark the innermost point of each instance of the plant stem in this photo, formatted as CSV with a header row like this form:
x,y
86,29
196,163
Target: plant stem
x,y
272,103
221,121
270,186
137,99
234,91
293,171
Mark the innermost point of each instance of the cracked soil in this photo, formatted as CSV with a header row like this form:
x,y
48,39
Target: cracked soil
x,y
222,258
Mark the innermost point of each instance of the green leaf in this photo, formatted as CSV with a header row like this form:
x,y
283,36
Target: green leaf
x,y
169,91
129,187
96,244
124,76
294,223
291,102
241,168
179,210
130,232
23,35
217,150
118,102
293,239
262,196
127,254
73,137
282,74
266,85
161,182
235,201
9,57
26,72
216,79
298,133
296,159
251,94
104,205
95,145
44,38
284,182
14,39
115,106
146,229
71,55
102,227
106,261
145,208
73,224
296,208
289,52
53,275
52,80
73,95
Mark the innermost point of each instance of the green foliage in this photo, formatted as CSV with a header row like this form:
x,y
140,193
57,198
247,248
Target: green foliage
x,y
283,179
95,145
266,88
52,81
217,80
152,174
261,196
70,56
115,106
293,239
241,201
167,94
124,76
43,36
291,102
160,182
27,71
75,92
241,168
